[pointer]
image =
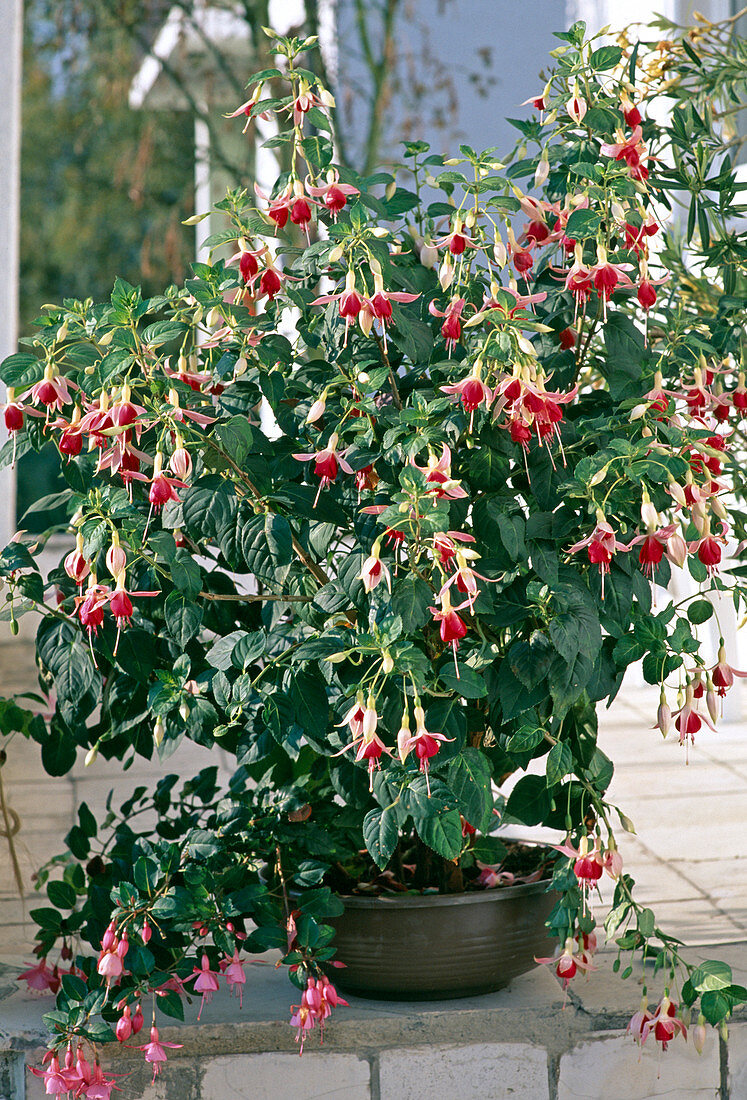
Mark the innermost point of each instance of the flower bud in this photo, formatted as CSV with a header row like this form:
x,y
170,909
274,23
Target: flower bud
x,y
184,711
677,549
699,1034
543,169
91,755
677,492
180,463
390,189
387,662
158,731
638,411
336,254
317,409
116,559
446,272
598,477
428,256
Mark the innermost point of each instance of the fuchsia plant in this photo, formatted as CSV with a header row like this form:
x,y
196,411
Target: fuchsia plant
x,y
392,547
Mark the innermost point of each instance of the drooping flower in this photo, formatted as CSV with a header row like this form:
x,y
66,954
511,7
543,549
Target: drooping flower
x,y
349,302
472,392
206,982
723,673
235,975
334,195
665,1024
438,474
374,570
327,463
41,978
600,545
422,742
451,329
155,1052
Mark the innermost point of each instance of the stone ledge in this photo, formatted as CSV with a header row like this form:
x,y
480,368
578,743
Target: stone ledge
x,y
376,1050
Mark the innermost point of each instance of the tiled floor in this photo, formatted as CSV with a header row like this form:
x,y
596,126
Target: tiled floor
x,y
689,856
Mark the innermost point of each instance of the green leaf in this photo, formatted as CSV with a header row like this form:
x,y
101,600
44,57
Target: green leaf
x,y
170,1003
311,704
525,739
186,574
715,1006
559,763
411,598
646,922
700,611
380,833
469,683
583,224
235,437
606,57
183,618
61,895
711,976
469,776
529,801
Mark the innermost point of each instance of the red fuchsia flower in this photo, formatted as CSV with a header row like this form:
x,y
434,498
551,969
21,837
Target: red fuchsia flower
x,y
630,149
708,547
521,255
75,564
367,743
567,339
354,717
327,463
653,545
424,744
206,982
639,1021
451,329
334,195
607,276
688,720
445,548
55,1079
465,578
90,608
472,392
664,1023
578,280
452,627
631,114
379,306
457,241
53,391
304,101
366,479
154,1050
41,978
723,673
567,964
577,106
233,972
374,570
600,546
438,474
349,302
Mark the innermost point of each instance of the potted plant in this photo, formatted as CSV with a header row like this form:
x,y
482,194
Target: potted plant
x,y
376,504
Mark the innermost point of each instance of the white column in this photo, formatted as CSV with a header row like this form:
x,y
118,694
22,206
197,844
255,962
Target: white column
x,y
11,34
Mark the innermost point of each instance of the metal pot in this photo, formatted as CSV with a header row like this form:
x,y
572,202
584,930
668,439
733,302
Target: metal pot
x,y
427,947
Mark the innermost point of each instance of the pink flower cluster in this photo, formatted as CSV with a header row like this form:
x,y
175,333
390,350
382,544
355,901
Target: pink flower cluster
x,y
317,1001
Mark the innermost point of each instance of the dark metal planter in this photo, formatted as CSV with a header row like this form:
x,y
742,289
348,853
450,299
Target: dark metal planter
x,y
420,948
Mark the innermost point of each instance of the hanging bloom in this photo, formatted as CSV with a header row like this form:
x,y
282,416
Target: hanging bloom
x,y
154,1050
438,474
688,719
630,149
53,391
76,565
606,276
334,195
41,978
374,570
234,975
577,105
639,1022
708,547
472,392
354,717
600,545
663,714
664,1023
452,626
379,306
723,673
451,329
457,241
349,302
206,982
567,964
327,463
424,744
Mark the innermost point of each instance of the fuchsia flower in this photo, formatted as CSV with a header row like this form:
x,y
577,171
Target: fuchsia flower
x,y
723,673
452,627
664,1023
206,982
366,741
75,564
451,329
41,978
327,463
374,570
438,474
349,302
154,1050
334,195
424,744
379,306
472,392
53,391
630,149
639,1021
600,546
233,972
688,719
317,1002
567,964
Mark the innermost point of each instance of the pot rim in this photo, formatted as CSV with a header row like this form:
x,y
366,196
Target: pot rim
x,y
429,901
